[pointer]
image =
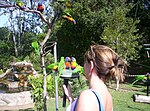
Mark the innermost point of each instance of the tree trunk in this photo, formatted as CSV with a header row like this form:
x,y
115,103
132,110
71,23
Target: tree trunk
x,y
14,36
43,67
15,44
45,82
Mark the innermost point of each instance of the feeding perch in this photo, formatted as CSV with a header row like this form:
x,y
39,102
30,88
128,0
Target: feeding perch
x,y
67,69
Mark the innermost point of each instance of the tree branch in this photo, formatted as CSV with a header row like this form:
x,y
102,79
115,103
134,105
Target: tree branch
x,y
6,5
27,10
47,37
41,16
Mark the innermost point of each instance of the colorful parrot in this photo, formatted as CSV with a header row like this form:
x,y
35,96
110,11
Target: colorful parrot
x,y
61,65
53,66
70,19
21,5
73,63
40,8
141,78
67,62
35,45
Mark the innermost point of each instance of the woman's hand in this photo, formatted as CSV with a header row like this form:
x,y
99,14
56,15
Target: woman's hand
x,y
68,92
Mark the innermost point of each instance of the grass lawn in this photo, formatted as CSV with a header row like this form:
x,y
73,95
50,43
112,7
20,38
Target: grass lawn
x,y
122,99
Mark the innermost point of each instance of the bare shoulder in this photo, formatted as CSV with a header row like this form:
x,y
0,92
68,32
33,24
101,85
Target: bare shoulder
x,y
87,101
86,93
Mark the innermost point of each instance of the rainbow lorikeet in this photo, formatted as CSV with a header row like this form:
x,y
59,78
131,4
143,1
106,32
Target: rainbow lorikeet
x,y
21,5
67,64
35,45
73,63
70,19
40,7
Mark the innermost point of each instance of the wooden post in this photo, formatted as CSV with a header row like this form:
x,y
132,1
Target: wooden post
x,y
141,98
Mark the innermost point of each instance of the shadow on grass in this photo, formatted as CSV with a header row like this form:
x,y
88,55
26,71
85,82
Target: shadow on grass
x,y
27,109
133,108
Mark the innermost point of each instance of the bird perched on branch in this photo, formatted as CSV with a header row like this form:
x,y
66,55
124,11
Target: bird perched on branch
x,y
40,8
21,5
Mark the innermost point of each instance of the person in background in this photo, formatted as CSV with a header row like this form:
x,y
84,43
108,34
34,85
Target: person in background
x,y
100,64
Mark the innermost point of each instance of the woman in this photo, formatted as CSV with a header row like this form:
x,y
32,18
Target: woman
x,y
100,64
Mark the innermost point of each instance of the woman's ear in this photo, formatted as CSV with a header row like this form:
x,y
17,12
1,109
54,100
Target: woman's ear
x,y
92,66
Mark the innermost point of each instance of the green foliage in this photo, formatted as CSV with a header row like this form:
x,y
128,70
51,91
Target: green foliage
x,y
27,39
120,32
6,47
102,22
78,85
41,36
138,11
77,38
37,88
51,85
1,71
35,60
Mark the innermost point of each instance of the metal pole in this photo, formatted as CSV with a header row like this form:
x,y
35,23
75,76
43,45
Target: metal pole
x,y
147,83
55,78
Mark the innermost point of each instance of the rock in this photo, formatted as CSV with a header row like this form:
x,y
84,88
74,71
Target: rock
x,y
15,99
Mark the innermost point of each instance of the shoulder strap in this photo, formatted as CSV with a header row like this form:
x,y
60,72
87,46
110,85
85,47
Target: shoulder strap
x,y
75,104
101,108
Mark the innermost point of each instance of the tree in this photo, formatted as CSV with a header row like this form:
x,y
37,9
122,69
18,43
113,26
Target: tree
x,y
141,11
5,44
73,40
120,32
48,19
49,22
101,22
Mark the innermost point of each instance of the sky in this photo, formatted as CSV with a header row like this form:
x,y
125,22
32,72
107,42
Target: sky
x,y
3,20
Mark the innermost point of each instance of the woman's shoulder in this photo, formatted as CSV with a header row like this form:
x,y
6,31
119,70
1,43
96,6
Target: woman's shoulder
x,y
86,93
87,101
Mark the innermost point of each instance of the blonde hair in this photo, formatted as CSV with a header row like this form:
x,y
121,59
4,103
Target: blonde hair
x,y
107,62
